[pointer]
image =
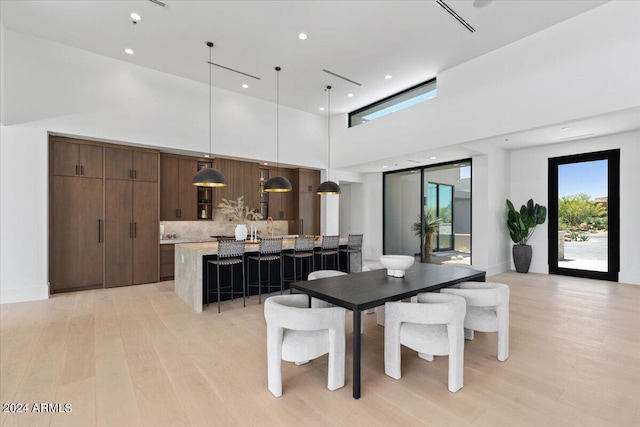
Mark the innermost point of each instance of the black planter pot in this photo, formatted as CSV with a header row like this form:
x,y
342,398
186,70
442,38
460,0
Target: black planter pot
x,y
522,257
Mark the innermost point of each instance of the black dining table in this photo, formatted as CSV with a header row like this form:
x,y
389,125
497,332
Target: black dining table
x,y
361,291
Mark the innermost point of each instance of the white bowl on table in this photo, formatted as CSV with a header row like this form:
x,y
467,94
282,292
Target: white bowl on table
x,y
396,264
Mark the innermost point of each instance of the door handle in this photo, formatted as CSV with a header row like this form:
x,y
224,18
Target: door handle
x,y
99,231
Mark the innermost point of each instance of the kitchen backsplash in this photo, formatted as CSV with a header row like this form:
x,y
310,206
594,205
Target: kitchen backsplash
x,y
206,228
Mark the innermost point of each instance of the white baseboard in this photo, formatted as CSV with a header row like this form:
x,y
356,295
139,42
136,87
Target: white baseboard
x,y
25,293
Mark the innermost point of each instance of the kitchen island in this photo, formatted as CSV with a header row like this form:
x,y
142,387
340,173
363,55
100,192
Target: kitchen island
x,y
189,269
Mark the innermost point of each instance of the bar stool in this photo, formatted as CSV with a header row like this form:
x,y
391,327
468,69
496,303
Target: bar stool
x,y
354,246
230,253
302,248
329,247
270,250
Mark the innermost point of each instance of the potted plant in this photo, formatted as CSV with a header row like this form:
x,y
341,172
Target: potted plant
x,y
236,211
428,225
521,226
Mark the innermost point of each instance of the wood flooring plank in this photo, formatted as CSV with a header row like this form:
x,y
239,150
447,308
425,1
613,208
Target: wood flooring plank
x,y
138,356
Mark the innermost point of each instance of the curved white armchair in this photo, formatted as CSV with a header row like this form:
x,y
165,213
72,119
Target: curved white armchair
x,y
321,274
298,334
487,311
318,303
378,310
433,326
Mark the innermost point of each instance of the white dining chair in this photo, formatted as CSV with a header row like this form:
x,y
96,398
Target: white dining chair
x,y
378,310
432,326
296,333
318,303
487,311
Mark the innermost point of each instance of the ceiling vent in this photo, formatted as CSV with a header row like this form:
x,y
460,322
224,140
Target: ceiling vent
x,y
342,77
458,18
158,2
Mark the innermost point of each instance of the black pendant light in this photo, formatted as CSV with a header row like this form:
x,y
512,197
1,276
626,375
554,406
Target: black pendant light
x,y
209,177
278,184
328,187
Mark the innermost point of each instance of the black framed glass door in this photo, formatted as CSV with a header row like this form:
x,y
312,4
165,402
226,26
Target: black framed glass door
x,y
584,219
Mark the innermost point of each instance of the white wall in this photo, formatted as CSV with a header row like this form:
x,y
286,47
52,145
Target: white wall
x,y
529,177
586,66
49,87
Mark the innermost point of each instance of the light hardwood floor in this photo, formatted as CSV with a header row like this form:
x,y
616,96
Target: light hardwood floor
x,y
139,356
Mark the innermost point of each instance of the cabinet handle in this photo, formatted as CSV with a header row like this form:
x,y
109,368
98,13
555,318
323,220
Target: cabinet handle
x,y
179,213
82,170
135,230
99,231
77,169
135,174
131,230
301,231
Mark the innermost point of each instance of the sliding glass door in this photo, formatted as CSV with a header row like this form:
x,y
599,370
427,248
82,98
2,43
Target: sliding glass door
x,y
584,215
427,213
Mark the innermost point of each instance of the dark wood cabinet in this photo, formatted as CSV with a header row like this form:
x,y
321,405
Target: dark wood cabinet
x,y
131,232
122,163
73,159
282,206
178,197
308,204
167,260
243,180
103,215
76,234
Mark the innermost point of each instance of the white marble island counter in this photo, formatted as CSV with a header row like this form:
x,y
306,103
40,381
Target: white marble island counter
x,y
189,269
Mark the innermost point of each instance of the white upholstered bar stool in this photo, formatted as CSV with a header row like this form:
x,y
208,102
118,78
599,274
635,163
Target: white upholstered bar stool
x,y
296,333
432,326
487,311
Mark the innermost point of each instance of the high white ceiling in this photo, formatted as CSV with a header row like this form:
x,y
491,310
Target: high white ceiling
x,y
363,40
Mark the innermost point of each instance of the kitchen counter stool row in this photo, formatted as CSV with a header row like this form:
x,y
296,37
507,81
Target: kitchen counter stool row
x,y
220,269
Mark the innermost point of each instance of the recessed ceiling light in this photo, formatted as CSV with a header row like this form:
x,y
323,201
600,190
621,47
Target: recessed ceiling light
x,y
245,86
302,36
206,155
350,95
321,108
128,51
388,77
566,128
136,16
265,163
433,157
385,166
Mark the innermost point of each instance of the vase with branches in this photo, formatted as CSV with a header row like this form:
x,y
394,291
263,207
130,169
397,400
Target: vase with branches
x,y
427,226
236,211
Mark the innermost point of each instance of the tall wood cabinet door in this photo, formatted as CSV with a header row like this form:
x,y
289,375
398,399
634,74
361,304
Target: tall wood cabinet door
x,y
145,166
90,161
146,237
118,233
187,192
118,163
169,189
77,242
251,184
65,158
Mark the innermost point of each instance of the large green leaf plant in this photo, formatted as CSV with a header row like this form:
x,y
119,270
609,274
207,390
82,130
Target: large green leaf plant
x,y
522,224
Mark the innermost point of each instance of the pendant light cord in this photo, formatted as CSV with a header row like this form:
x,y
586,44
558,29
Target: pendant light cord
x,y
329,132
278,119
210,153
